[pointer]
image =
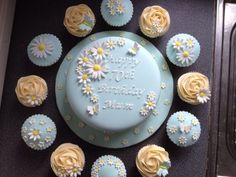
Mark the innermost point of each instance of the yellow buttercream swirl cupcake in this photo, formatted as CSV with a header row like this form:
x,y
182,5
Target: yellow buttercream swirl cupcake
x,y
79,20
31,90
153,161
154,21
193,88
68,160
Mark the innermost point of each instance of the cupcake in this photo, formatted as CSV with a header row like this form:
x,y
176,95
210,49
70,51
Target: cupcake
x,y
68,160
31,90
183,50
152,161
107,166
183,129
154,21
44,50
79,20
38,132
193,88
117,12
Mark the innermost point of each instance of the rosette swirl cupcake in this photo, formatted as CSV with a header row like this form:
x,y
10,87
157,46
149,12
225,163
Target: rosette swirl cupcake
x,y
154,21
68,160
193,88
152,161
31,90
79,20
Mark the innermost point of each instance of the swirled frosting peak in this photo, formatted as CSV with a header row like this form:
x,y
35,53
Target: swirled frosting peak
x,y
153,161
31,90
68,160
193,88
154,21
79,20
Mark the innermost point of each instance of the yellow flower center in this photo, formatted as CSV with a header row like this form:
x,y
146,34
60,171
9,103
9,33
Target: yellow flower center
x,y
100,51
178,44
202,94
96,67
35,132
150,103
88,89
33,98
41,47
85,59
186,54
75,170
190,42
85,77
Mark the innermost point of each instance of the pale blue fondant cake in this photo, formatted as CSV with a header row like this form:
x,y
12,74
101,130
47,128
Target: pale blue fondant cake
x,y
113,84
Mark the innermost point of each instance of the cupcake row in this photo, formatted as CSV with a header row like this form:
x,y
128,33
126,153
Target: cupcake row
x,y
79,19
69,160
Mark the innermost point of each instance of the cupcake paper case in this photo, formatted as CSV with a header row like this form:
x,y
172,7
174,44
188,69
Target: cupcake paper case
x,y
44,50
107,166
38,132
183,50
183,129
117,12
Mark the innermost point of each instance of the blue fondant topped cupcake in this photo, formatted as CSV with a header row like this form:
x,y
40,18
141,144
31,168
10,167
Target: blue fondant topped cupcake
x,y
44,50
38,132
107,166
117,12
183,129
183,50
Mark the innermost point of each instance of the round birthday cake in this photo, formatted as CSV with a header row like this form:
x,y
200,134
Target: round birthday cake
x,y
113,84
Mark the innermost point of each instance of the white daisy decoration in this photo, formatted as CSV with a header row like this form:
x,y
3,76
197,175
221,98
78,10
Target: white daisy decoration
x,y
144,111
120,9
112,11
34,100
182,140
94,98
83,59
83,78
75,171
97,69
151,95
185,55
87,89
203,95
178,43
34,134
79,69
41,47
195,136
150,104
121,42
110,44
99,51
189,43
110,3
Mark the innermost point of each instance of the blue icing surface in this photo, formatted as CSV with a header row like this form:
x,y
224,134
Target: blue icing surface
x,y
193,49
130,83
108,166
183,129
38,132
117,12
50,58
